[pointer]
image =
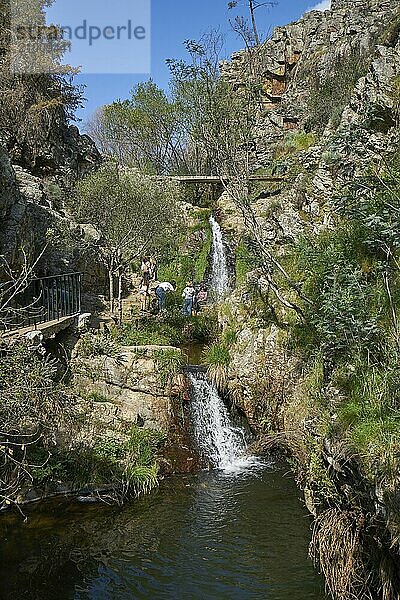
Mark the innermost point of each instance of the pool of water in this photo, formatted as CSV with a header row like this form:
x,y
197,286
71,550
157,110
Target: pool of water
x,y
216,536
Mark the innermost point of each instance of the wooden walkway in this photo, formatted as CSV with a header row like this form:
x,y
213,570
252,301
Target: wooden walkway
x,y
215,179
47,329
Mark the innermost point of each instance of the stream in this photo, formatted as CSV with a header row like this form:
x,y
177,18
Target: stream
x,y
216,536
236,531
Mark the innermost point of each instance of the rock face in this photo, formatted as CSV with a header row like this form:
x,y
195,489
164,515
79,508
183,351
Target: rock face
x,y
302,66
362,133
302,54
35,183
130,390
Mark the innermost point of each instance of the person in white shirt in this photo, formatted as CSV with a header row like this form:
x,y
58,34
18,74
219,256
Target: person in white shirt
x,y
188,295
161,293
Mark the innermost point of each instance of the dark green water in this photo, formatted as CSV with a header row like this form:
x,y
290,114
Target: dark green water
x,y
214,536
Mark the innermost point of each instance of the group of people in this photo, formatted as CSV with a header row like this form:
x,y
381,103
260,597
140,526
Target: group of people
x,y
194,296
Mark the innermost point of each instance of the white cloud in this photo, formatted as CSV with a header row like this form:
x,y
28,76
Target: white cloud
x,y
323,5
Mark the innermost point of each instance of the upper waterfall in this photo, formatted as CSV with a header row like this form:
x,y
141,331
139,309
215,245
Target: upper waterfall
x,y
219,273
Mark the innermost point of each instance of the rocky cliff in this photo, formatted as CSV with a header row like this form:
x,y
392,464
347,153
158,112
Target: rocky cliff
x,y
328,115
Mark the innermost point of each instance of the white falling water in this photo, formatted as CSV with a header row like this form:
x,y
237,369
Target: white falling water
x,y
222,444
220,274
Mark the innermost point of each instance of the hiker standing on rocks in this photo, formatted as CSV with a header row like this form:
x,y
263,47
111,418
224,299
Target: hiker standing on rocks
x,y
153,269
202,297
146,271
188,295
161,292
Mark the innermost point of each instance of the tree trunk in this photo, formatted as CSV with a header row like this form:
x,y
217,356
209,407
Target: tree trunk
x,y
254,23
111,284
120,295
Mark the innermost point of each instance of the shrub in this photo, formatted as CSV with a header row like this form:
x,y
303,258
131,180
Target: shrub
x,y
169,363
97,344
35,409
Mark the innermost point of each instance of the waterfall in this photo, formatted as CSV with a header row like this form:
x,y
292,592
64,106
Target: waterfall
x,y
220,274
219,442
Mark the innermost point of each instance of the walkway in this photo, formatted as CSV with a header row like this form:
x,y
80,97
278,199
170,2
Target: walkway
x,y
216,179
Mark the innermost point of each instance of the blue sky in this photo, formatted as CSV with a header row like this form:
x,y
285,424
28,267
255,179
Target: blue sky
x,y
172,22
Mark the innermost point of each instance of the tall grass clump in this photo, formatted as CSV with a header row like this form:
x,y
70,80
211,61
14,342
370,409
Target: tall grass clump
x,y
217,358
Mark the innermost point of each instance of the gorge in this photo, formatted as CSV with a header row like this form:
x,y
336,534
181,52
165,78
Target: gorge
x,y
206,455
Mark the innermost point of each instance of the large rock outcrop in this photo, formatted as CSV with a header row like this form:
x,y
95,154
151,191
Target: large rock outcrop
x,y
132,389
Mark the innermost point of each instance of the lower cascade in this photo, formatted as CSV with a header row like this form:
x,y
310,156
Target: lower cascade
x,y
219,442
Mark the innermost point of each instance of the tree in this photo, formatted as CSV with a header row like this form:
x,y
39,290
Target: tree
x,y
143,132
33,104
134,214
249,34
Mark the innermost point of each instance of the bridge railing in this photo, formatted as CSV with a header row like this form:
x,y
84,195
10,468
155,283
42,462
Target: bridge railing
x,y
45,299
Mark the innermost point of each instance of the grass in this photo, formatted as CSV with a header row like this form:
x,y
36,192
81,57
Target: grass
x,y
96,397
169,363
245,262
131,467
148,332
217,358
97,344
295,142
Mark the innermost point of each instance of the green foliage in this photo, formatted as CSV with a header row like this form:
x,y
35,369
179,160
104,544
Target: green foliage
x,y
245,261
217,359
329,96
294,142
169,363
142,131
346,305
147,332
96,397
318,477
34,110
130,467
350,335
143,470
35,409
97,344
229,336
217,354
130,211
188,261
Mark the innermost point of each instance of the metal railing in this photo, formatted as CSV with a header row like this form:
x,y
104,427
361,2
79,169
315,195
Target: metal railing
x,y
46,299
60,295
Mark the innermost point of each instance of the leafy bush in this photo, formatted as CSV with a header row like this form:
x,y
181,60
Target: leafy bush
x,y
35,409
169,363
351,325
97,344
